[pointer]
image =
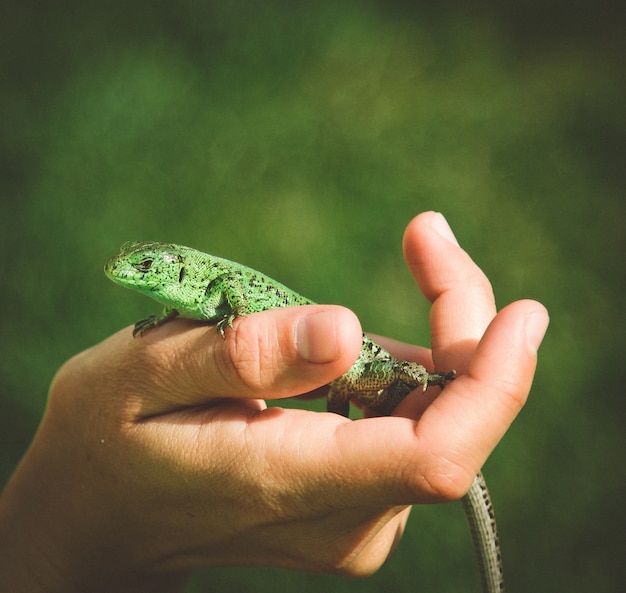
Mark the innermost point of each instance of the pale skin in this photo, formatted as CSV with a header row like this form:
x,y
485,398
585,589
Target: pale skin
x,y
158,455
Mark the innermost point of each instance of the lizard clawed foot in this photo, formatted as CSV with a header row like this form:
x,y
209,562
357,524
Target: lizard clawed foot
x,y
227,321
439,379
143,325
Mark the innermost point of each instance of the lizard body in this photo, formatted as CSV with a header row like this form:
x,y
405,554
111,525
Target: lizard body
x,y
195,285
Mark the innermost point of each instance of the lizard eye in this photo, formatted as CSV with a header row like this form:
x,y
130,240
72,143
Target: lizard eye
x,y
144,265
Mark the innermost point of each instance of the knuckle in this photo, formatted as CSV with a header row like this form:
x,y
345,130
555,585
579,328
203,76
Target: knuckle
x,y
448,487
442,480
510,394
251,356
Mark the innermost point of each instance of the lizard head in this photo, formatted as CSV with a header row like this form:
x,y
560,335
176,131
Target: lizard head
x,y
150,268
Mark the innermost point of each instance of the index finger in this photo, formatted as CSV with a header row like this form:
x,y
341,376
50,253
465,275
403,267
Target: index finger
x,y
462,299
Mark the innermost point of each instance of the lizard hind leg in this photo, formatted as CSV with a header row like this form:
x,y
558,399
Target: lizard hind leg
x,y
338,397
338,406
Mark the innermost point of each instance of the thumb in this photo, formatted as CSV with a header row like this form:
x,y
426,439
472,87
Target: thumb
x,y
272,354
285,352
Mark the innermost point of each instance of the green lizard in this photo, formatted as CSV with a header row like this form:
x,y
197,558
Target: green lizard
x,y
195,285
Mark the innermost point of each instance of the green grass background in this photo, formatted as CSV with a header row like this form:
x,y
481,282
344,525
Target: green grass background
x,y
300,138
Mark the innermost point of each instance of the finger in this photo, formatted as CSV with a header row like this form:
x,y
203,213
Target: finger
x,y
461,295
463,425
277,353
286,352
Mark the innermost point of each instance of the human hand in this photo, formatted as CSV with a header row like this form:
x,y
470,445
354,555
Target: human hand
x,y
159,455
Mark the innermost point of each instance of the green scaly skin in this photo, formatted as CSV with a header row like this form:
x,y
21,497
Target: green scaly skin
x,y
195,285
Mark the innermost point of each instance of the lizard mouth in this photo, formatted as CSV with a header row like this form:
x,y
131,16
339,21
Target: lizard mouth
x,y
116,274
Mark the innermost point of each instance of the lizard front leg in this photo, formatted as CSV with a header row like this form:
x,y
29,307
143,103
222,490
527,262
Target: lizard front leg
x,y
225,301
143,325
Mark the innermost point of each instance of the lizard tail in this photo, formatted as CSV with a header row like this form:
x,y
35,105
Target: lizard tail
x,y
482,523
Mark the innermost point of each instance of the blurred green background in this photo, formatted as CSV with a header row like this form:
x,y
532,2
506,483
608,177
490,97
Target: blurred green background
x,y
300,138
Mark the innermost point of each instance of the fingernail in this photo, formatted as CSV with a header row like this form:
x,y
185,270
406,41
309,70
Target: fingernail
x,y
439,223
316,337
535,326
